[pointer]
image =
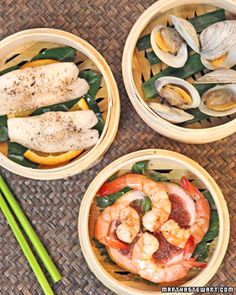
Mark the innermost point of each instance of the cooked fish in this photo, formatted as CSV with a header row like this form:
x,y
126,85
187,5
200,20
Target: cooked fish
x,y
35,87
55,132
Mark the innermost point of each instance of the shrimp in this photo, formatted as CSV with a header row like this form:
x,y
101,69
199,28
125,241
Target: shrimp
x,y
161,206
147,267
126,219
177,235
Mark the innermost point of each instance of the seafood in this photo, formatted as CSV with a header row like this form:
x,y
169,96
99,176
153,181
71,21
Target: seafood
x,y
147,267
34,87
225,76
168,45
219,101
161,205
177,92
218,44
122,214
197,228
187,32
164,253
171,114
55,131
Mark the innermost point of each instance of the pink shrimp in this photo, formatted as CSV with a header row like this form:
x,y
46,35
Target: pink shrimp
x,y
149,269
161,205
177,235
125,218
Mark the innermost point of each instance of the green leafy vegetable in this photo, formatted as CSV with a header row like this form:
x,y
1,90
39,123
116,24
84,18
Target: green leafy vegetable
x,y
63,107
140,167
202,248
156,176
203,21
213,230
16,152
144,204
113,177
94,81
103,202
139,279
192,66
201,251
202,88
3,128
103,250
209,198
152,58
147,204
65,54
198,116
199,22
3,72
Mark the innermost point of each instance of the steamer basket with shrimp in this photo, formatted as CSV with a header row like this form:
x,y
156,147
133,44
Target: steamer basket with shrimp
x,y
150,219
179,67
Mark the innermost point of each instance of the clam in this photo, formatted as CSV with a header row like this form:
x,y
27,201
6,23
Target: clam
x,y
169,46
187,32
219,101
171,114
177,92
221,76
218,45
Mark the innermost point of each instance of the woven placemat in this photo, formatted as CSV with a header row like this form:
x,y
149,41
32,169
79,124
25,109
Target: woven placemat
x,y
53,206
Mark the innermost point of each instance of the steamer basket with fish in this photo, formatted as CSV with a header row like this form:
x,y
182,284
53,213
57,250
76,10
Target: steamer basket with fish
x,y
179,69
59,101
153,218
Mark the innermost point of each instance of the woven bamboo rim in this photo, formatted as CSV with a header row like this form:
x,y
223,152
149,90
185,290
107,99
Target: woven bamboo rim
x,y
15,43
196,136
171,158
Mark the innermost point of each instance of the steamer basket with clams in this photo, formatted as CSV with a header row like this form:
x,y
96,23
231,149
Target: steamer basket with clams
x,y
179,69
150,219
59,104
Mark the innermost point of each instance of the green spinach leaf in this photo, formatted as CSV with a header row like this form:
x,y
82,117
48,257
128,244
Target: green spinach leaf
x,y
65,54
140,167
103,202
202,248
144,204
16,154
3,128
103,250
156,176
213,230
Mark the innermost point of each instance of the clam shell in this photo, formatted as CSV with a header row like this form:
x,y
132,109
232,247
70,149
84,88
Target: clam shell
x,y
228,63
175,61
187,32
171,114
204,109
222,76
182,83
218,39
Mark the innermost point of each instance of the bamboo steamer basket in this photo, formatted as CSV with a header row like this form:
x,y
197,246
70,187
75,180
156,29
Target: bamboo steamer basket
x,y
135,69
28,43
158,159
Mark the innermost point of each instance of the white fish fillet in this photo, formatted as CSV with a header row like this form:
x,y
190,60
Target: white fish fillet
x,y
35,87
55,132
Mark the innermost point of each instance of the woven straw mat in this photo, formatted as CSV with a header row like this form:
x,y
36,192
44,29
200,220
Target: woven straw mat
x,y
53,206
